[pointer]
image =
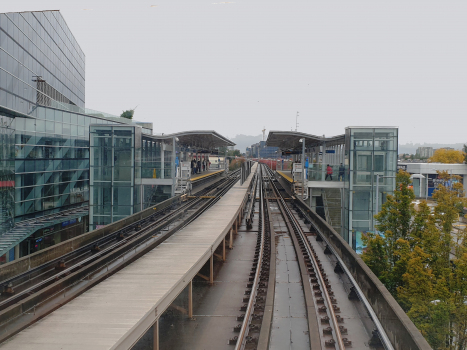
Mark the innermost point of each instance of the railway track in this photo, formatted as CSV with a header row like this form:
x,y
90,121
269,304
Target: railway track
x,y
34,294
335,313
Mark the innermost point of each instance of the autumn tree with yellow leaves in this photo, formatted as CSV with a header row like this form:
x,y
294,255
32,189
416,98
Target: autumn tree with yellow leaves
x,y
448,156
421,262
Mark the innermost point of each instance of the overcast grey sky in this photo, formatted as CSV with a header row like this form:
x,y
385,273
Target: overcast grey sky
x,y
236,66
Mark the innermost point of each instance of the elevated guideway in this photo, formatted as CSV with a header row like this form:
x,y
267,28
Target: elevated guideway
x,y
118,311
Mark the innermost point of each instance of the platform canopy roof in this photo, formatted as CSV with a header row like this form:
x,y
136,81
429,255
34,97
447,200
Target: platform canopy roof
x,y
290,140
201,139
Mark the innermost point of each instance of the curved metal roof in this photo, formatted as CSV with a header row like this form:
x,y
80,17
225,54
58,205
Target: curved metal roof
x,y
289,140
204,139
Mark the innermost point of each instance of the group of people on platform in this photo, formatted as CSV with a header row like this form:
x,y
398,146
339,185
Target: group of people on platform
x,y
200,165
329,171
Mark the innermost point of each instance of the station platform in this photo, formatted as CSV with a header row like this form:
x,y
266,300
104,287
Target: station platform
x,y
314,184
205,174
287,176
116,312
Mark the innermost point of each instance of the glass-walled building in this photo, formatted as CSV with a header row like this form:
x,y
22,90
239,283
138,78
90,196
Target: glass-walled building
x,y
132,171
41,62
46,161
370,151
115,173
342,174
44,133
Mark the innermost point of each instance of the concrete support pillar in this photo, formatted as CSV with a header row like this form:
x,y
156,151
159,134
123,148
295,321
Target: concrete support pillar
x,y
190,299
231,239
223,249
17,252
155,344
211,270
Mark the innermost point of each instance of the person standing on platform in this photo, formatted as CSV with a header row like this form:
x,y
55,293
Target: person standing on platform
x,y
328,173
199,166
341,172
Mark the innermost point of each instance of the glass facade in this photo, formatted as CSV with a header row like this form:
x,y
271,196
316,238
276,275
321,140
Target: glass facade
x,y
44,131
157,157
7,172
51,162
130,171
40,62
115,173
368,152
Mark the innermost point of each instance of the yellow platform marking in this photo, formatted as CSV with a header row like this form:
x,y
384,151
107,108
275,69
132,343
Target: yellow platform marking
x,y
288,178
205,175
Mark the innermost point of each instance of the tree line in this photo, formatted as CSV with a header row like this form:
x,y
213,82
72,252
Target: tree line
x,y
422,262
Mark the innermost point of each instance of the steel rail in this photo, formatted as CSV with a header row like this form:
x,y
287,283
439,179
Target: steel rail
x,y
381,332
242,338
249,214
43,283
299,230
102,262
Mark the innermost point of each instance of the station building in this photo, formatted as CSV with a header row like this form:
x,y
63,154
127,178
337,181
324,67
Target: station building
x,y
45,135
363,163
425,177
260,150
132,171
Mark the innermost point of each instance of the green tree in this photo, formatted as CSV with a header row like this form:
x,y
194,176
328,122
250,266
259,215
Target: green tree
x,y
422,262
464,149
128,114
375,255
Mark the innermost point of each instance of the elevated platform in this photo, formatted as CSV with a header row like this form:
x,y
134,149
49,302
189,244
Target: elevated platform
x,y
287,176
115,313
325,184
205,174
313,184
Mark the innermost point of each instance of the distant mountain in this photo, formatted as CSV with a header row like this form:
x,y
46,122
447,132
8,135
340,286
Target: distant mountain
x,y
411,148
244,141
